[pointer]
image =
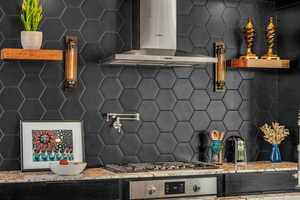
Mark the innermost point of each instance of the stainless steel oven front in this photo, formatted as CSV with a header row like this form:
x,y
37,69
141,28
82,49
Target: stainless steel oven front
x,y
173,188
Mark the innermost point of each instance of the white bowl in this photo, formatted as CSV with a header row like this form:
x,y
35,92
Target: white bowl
x,y
72,169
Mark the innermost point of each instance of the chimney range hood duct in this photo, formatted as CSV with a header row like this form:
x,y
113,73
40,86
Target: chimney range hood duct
x,y
155,38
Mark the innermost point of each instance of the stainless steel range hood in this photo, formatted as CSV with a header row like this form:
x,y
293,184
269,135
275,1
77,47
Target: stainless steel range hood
x,y
155,38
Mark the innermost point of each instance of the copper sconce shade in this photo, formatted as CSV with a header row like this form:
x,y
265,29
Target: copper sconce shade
x,y
220,67
71,62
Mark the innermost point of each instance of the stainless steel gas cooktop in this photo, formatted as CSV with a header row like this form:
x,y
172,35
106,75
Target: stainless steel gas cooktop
x,y
159,166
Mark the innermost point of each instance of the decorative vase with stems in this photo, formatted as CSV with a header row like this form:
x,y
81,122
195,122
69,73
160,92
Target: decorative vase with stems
x,y
31,16
274,134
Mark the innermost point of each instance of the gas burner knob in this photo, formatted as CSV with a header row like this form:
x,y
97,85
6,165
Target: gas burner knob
x,y
196,188
151,190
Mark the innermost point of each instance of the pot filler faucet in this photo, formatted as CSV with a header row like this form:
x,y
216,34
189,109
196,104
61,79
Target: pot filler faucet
x,y
117,117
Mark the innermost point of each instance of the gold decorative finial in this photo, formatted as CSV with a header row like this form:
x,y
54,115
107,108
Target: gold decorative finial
x,y
270,41
249,32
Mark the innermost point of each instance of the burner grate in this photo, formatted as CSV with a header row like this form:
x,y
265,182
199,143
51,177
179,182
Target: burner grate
x,y
159,166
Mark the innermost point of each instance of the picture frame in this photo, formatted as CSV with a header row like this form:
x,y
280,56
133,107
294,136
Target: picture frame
x,y
43,142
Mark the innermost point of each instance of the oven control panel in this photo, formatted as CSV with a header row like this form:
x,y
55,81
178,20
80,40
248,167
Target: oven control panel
x,y
206,186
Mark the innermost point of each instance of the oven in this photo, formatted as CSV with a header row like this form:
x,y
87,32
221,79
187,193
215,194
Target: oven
x,y
172,188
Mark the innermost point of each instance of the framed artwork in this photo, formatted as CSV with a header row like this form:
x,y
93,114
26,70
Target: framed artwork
x,y
44,142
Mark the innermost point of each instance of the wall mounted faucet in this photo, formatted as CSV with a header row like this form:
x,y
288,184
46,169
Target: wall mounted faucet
x,y
117,117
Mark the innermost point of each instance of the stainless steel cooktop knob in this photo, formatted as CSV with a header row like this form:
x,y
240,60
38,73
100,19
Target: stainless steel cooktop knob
x,y
151,189
196,188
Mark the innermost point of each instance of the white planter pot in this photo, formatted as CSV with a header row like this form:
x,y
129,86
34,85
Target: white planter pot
x,y
31,39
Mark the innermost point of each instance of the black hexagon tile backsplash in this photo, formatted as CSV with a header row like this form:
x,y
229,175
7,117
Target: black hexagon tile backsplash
x,y
176,104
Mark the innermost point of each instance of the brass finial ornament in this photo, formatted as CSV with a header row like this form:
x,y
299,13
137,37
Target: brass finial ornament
x,y
249,32
270,41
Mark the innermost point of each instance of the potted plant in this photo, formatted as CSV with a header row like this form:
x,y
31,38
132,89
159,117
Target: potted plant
x,y
31,16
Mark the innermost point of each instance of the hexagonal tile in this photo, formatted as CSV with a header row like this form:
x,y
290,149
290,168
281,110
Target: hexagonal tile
x,y
245,89
166,78
232,3
112,21
92,30
14,143
216,110
166,99
232,99
111,154
199,2
231,16
148,153
199,36
148,72
233,79
109,135
130,77
185,43
10,8
148,110
148,132
53,29
111,88
73,18
245,110
95,145
52,115
166,143
183,89
130,99
183,72
212,94
111,43
131,126
215,7
32,110
52,98
183,152
248,9
32,87
11,74
231,42
13,27
166,121
11,99
93,121
92,76
233,120
92,9
200,99
130,144
185,7
200,120
183,110
111,106
92,99
200,79
92,53
216,27
68,111
10,122
183,132
148,88
54,8
217,125
199,12
74,3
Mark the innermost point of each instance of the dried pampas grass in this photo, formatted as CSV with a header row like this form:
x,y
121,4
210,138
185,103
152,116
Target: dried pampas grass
x,y
274,134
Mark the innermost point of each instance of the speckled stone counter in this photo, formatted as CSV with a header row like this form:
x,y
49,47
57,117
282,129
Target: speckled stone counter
x,y
103,174
286,196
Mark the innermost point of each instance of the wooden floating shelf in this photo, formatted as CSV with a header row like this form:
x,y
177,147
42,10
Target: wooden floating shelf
x,y
260,63
31,54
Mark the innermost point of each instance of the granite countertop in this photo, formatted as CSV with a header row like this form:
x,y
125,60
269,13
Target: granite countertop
x,y
283,196
103,174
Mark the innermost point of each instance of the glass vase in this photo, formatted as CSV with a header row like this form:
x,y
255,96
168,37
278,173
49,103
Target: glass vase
x,y
275,156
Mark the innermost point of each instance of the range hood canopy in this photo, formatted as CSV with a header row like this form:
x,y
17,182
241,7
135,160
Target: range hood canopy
x,y
155,38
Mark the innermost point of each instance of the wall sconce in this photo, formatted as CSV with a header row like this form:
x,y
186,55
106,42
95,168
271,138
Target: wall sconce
x,y
71,62
117,117
220,67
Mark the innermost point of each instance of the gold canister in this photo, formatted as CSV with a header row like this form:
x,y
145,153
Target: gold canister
x,y
249,35
270,34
